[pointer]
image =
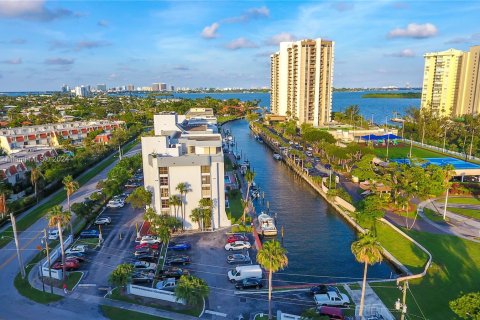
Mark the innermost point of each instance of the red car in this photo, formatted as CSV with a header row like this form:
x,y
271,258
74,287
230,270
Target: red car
x,y
69,265
153,246
236,237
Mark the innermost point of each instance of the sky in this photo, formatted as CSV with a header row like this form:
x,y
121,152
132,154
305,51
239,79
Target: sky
x,y
44,44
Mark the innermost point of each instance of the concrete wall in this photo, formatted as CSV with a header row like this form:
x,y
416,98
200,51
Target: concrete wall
x,y
153,293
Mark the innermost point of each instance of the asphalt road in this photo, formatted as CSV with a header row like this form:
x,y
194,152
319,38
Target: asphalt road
x,y
19,307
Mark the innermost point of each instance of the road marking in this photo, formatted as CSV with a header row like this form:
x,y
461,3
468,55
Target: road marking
x,y
87,285
36,237
215,313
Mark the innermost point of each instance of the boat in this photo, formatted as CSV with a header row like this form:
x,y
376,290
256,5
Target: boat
x,y
246,163
266,225
243,169
237,155
276,156
254,194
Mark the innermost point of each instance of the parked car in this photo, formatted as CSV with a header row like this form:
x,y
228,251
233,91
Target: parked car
x,y
179,246
245,272
153,246
331,298
308,153
78,255
145,266
53,234
179,259
238,245
146,250
150,240
167,284
103,221
236,237
74,257
172,272
69,265
332,313
140,277
93,233
249,283
78,248
238,258
148,257
115,204
323,289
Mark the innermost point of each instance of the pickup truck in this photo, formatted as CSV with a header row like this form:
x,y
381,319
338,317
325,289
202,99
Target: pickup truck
x,y
331,298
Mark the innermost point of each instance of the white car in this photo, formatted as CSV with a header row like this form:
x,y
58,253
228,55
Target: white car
x,y
53,234
145,266
115,204
78,248
167,284
238,245
150,240
331,298
103,221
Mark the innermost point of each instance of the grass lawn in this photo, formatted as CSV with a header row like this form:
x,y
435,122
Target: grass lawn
x,y
25,289
395,152
114,313
195,311
433,215
455,269
471,213
73,279
57,198
406,252
464,200
235,210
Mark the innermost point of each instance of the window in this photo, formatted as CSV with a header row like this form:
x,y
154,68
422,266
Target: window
x,y
205,169
165,204
163,170
164,181
205,179
164,193
205,191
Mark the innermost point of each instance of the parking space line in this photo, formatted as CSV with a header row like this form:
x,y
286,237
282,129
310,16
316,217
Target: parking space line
x,y
215,313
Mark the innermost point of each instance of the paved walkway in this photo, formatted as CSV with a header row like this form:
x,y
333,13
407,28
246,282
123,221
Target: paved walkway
x,y
372,301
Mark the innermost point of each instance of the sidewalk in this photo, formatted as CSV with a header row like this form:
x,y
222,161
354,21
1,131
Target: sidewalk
x,y
97,300
457,225
372,301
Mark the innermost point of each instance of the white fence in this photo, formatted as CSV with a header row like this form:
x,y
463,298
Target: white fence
x,y
286,316
153,293
375,310
54,255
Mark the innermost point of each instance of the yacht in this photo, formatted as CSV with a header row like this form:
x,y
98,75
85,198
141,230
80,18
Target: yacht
x,y
276,156
266,225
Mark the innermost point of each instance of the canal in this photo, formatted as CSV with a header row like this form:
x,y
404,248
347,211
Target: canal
x,y
316,237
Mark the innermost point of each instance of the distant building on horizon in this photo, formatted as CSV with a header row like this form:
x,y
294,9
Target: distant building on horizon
x,y
301,81
65,88
451,82
102,87
130,87
81,91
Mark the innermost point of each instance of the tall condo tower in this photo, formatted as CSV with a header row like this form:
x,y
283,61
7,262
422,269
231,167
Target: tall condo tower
x,y
301,81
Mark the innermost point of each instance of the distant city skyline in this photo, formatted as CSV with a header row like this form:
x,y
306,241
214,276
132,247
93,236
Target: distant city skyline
x,y
45,44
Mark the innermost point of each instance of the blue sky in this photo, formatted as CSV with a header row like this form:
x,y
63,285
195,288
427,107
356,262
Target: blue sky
x,y
44,44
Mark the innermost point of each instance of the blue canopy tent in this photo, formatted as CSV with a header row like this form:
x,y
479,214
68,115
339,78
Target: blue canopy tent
x,y
390,136
371,137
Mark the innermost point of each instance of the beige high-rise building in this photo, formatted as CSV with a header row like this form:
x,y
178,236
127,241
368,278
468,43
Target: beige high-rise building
x,y
469,98
301,81
451,82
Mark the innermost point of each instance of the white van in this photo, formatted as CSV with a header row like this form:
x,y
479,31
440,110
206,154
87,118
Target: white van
x,y
244,272
53,234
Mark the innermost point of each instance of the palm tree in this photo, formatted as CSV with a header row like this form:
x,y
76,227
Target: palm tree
x,y
35,175
183,188
149,215
272,257
367,250
196,216
207,206
176,202
70,186
164,233
5,190
249,176
121,275
59,218
192,289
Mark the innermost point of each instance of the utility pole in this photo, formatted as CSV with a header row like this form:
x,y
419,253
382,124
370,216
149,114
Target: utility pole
x,y
119,152
446,203
423,132
471,144
404,300
411,146
48,260
20,262
444,138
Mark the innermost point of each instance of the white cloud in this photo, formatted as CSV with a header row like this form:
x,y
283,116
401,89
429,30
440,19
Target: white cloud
x,y
414,30
241,43
210,32
280,37
405,53
103,23
13,61
343,6
470,39
31,10
59,61
252,13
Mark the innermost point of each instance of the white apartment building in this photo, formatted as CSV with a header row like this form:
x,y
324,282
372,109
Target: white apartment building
x,y
185,151
46,135
301,81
